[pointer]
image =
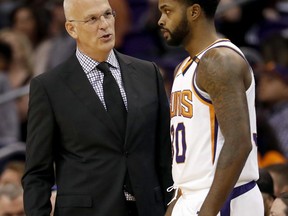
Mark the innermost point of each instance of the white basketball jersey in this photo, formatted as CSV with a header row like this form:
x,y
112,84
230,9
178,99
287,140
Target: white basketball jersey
x,y
195,134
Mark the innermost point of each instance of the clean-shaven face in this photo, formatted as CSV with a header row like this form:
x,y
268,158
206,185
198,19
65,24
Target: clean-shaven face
x,y
94,25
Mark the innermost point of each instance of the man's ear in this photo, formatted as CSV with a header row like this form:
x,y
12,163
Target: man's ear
x,y
71,29
194,11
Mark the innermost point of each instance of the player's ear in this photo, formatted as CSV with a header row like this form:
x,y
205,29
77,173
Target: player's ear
x,y
71,29
194,11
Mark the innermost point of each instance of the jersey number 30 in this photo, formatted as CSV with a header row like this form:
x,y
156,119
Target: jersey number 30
x,y
179,141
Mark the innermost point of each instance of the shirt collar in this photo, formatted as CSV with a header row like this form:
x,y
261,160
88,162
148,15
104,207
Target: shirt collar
x,y
89,64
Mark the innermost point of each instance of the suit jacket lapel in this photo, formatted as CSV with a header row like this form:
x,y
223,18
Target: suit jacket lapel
x,y
130,81
78,82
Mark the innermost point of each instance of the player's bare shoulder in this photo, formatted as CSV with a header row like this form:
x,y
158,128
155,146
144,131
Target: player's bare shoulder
x,y
222,66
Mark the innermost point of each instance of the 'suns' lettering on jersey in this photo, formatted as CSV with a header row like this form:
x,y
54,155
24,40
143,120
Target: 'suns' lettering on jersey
x,y
181,104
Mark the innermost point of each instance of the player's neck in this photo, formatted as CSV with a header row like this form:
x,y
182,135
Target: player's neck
x,y
201,40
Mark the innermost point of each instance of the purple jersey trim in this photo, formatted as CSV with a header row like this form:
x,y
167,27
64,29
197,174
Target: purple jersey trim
x,y
238,191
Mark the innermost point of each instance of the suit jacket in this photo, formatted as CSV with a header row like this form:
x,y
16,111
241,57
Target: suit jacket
x,y
68,127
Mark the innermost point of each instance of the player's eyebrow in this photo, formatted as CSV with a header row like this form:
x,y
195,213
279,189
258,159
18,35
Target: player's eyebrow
x,y
162,7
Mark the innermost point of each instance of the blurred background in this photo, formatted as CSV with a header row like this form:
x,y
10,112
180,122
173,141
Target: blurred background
x,y
33,40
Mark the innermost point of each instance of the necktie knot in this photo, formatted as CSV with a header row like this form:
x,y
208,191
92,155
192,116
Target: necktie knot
x,y
104,67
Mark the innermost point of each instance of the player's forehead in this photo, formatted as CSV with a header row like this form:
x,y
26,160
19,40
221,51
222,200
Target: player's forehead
x,y
169,3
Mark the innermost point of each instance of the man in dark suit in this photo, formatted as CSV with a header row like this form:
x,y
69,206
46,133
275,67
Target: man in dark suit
x,y
108,162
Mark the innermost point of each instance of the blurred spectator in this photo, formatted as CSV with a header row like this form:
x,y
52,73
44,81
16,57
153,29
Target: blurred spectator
x,y
12,151
5,56
30,21
280,205
266,186
22,105
9,124
275,48
142,31
57,21
58,47
20,69
254,57
279,173
12,172
274,20
235,18
11,200
52,52
6,6
272,91
122,21
269,151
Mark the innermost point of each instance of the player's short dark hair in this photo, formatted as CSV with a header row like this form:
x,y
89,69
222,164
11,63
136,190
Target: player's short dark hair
x,y
208,6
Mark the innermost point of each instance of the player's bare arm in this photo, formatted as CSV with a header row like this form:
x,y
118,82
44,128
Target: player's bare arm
x,y
225,76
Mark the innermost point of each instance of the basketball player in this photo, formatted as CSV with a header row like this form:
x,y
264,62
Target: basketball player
x,y
213,123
